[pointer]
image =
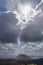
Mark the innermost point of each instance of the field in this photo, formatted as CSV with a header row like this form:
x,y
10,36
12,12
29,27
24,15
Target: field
x,y
19,62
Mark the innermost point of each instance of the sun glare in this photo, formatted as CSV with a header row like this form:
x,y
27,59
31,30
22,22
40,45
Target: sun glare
x,y
24,9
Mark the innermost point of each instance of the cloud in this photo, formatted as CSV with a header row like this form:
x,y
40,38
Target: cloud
x,y
30,49
8,29
23,20
38,5
12,5
33,31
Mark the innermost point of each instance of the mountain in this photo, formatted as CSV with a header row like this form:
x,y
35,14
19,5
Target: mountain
x,y
23,57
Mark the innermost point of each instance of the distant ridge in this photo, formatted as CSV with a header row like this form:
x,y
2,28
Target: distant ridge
x,y
23,57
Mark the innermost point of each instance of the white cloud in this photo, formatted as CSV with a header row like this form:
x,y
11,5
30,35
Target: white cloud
x,y
30,49
23,20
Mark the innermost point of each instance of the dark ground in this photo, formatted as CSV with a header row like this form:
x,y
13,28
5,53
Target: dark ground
x,y
18,62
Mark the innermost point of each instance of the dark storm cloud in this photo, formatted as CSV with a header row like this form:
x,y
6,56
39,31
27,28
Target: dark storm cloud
x,y
8,29
33,32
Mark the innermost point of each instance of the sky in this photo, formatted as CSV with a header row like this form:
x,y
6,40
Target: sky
x,y
10,5
13,29
8,28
